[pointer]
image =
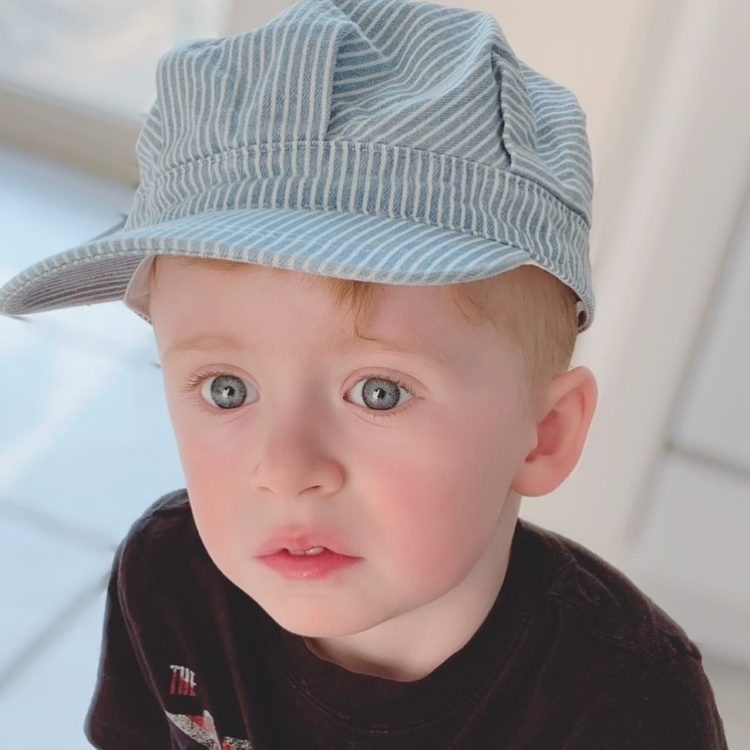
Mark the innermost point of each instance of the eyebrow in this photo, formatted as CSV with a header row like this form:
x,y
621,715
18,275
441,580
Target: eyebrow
x,y
212,342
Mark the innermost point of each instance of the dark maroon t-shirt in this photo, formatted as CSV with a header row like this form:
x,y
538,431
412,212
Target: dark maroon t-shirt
x,y
572,656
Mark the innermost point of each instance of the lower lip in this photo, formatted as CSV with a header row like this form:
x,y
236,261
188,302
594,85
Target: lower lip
x,y
308,567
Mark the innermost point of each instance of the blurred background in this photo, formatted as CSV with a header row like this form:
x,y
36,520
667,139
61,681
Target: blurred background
x,y
662,490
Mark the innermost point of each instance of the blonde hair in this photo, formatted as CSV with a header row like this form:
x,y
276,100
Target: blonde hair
x,y
535,310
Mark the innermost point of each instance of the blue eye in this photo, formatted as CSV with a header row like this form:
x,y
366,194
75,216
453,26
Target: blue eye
x,y
226,389
382,391
380,394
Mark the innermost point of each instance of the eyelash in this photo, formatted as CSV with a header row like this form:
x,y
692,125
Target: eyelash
x,y
192,384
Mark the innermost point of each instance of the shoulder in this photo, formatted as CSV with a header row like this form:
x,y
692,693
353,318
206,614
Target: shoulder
x,y
172,508
162,538
608,605
613,658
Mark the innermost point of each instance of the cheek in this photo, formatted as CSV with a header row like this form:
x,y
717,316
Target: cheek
x,y
207,451
224,535
215,529
212,496
438,505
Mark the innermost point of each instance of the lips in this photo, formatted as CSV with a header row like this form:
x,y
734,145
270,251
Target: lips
x,y
301,540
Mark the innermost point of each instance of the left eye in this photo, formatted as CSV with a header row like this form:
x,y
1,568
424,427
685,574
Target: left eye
x,y
380,393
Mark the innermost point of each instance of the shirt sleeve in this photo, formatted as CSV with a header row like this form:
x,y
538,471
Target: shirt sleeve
x,y
674,706
124,712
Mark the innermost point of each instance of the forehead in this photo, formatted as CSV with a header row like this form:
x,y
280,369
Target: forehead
x,y
256,285
198,304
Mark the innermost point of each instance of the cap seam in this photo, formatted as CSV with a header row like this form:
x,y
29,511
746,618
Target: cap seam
x,y
163,174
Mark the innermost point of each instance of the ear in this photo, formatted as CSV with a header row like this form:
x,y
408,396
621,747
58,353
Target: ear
x,y
562,424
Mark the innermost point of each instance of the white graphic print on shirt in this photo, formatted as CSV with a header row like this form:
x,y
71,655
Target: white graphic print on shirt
x,y
203,731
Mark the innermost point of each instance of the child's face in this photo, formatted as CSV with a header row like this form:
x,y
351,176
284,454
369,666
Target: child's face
x,y
423,492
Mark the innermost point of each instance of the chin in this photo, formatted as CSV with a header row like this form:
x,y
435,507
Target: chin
x,y
315,619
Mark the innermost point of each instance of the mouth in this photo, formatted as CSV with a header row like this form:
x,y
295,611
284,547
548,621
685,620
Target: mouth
x,y
305,543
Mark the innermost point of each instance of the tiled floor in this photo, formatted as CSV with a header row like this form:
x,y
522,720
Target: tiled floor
x,y
85,446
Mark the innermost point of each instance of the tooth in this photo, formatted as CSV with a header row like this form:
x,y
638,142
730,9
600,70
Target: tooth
x,y
311,551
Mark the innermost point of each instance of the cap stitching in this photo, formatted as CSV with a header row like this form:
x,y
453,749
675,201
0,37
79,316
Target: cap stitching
x,y
163,174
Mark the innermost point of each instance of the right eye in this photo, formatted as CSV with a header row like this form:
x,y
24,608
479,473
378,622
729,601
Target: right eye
x,y
225,390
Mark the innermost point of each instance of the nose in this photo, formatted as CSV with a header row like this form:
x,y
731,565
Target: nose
x,y
294,456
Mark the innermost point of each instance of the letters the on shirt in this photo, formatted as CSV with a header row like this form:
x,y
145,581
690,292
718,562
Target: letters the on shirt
x,y
183,680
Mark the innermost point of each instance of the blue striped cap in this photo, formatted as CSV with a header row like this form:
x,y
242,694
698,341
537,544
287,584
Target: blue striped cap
x,y
382,140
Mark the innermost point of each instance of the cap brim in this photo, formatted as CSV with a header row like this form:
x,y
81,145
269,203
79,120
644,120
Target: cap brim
x,y
344,245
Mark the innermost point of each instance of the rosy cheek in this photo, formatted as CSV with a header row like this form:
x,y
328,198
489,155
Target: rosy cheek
x,y
415,543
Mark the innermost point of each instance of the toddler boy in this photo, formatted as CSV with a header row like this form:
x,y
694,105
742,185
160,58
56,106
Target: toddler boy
x,y
361,237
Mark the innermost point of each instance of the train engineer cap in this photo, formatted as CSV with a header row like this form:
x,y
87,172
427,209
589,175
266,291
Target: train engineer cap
x,y
383,140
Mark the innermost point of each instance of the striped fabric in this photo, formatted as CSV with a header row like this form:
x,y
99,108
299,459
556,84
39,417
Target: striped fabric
x,y
382,140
